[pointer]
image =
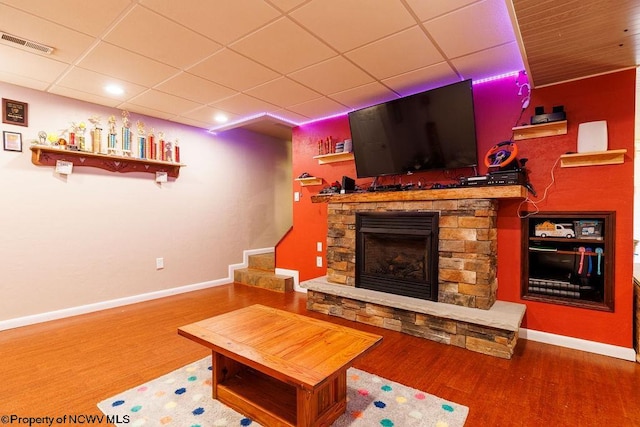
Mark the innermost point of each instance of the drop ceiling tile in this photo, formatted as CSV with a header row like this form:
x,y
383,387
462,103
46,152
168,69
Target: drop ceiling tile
x,y
491,62
21,80
191,122
477,27
84,96
364,96
123,64
426,10
207,115
152,35
222,21
283,92
346,25
287,5
333,75
423,79
91,18
138,109
164,102
233,70
321,107
402,52
91,82
244,105
195,88
68,44
29,65
283,46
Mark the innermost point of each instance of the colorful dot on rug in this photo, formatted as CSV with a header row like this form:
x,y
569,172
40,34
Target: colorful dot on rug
x,y
180,391
245,422
386,423
386,388
198,411
192,378
379,404
136,408
117,403
447,408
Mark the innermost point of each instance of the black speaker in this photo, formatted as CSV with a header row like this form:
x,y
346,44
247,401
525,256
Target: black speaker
x,y
348,184
539,110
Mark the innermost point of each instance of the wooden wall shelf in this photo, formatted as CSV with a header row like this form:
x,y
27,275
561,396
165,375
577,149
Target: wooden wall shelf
x,y
540,131
595,158
333,158
311,180
44,155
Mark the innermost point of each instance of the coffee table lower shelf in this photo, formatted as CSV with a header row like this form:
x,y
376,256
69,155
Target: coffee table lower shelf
x,y
267,400
275,403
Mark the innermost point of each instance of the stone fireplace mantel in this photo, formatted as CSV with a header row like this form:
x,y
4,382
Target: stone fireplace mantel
x,y
467,253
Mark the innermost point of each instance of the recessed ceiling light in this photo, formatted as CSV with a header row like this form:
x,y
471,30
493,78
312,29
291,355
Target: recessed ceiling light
x,y
221,118
114,89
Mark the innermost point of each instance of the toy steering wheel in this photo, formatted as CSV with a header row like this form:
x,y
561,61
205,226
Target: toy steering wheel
x,y
500,155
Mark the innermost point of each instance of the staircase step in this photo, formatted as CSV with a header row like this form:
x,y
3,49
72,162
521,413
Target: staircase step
x,y
265,261
263,279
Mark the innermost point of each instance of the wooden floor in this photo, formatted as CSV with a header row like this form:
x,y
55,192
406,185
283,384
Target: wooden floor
x,y
67,366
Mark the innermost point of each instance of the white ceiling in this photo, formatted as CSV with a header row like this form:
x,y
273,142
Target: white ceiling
x,y
301,60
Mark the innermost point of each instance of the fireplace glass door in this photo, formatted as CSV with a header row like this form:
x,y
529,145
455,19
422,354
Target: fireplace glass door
x,y
397,253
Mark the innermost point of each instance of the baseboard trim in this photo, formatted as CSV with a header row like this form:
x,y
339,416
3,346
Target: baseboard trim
x,y
579,344
118,302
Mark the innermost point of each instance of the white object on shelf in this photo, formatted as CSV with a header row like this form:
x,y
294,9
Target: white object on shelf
x,y
592,136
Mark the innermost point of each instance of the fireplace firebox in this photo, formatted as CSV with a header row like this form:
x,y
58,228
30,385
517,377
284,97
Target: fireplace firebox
x,y
397,253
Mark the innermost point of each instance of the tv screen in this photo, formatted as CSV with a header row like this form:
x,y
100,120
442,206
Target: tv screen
x,y
430,130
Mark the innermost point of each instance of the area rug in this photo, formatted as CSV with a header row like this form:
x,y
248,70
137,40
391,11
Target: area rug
x,y
183,398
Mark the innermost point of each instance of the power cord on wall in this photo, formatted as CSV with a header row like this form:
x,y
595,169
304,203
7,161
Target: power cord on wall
x,y
534,203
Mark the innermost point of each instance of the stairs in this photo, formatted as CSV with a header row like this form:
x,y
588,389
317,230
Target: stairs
x,y
261,274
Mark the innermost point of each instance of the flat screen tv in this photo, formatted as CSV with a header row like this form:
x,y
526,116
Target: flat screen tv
x,y
431,130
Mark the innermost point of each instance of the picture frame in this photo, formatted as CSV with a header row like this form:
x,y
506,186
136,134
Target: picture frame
x,y
12,141
15,112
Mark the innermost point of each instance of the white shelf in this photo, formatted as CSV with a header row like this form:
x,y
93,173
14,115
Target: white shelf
x,y
333,157
540,131
594,158
311,180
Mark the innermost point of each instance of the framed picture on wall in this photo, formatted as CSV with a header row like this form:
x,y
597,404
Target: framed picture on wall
x,y
15,112
12,141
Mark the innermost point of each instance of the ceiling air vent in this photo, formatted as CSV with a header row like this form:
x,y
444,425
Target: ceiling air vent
x,y
15,40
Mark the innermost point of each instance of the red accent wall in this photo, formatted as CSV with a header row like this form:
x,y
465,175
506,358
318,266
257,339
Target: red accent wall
x,y
609,97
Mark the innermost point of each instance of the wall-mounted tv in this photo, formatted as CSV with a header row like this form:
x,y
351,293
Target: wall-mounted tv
x,y
430,130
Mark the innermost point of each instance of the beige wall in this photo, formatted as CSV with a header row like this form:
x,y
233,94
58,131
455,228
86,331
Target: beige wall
x,y
94,236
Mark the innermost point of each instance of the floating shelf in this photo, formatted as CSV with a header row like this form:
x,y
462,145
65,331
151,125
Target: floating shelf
x,y
311,180
540,131
595,158
333,157
44,155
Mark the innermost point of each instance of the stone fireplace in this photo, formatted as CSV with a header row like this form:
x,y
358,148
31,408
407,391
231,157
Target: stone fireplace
x,y
456,231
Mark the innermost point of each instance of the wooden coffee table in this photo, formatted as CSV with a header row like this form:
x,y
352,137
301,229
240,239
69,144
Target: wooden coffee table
x,y
280,368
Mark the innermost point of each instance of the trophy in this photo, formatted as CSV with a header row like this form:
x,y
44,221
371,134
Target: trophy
x,y
126,134
142,140
96,134
112,142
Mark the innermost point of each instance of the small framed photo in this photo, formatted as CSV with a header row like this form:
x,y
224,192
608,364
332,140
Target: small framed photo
x,y
15,112
12,141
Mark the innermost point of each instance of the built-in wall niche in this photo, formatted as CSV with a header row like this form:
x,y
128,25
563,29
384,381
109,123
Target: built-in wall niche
x,y
568,258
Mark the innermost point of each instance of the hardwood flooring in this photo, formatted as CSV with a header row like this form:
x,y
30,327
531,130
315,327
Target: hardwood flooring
x,y
67,366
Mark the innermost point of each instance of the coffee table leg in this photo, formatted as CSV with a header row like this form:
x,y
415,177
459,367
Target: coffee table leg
x,y
222,369
323,406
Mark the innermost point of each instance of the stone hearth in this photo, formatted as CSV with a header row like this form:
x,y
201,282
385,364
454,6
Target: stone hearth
x,y
466,314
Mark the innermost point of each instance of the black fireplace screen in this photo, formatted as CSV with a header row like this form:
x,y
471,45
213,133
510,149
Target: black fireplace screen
x,y
397,252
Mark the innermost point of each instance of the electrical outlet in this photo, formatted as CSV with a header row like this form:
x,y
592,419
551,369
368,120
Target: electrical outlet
x,y
319,246
318,261
159,263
